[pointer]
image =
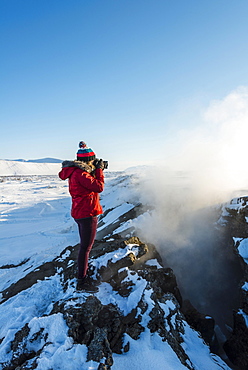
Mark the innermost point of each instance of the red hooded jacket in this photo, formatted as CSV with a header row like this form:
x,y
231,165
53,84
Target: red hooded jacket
x,y
84,188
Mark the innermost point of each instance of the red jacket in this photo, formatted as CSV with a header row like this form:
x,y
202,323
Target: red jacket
x,y
84,188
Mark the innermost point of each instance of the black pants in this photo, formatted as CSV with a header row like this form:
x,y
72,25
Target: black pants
x,y
87,232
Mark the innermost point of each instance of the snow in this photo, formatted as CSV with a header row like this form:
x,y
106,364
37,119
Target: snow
x,y
243,249
133,223
114,215
245,286
155,354
23,307
14,168
116,255
153,262
35,226
199,353
106,295
245,316
118,190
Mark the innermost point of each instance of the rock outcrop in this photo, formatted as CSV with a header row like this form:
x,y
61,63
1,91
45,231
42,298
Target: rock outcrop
x,y
137,298
234,220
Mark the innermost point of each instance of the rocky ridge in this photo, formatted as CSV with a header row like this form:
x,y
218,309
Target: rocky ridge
x,y
232,243
235,221
137,297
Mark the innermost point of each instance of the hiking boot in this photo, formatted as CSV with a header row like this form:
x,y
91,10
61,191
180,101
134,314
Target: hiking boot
x,y
86,285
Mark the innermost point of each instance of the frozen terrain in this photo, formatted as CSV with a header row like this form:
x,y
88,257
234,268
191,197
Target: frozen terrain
x,y
35,227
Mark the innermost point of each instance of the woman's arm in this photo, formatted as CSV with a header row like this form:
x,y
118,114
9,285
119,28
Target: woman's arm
x,y
91,183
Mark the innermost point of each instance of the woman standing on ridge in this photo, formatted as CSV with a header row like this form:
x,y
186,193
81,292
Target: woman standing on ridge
x,y
86,181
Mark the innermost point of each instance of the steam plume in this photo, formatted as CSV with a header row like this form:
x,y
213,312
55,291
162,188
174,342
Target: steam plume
x,y
209,168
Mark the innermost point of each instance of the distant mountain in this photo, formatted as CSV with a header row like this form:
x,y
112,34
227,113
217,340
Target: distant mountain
x,y
41,160
46,160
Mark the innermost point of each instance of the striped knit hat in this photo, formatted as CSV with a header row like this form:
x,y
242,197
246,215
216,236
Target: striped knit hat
x,y
84,153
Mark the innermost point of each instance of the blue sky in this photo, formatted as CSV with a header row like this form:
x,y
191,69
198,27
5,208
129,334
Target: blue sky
x,y
126,76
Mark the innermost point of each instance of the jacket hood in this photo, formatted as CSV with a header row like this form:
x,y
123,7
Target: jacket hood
x,y
82,165
68,167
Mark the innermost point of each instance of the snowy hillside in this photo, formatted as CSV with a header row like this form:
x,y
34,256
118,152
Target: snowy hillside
x,y
14,168
40,309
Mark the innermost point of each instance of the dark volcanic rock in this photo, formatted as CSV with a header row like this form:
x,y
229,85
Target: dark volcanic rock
x,y
135,298
236,219
162,281
236,224
236,346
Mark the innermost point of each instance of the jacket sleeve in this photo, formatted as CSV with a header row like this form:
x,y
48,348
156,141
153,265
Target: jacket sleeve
x,y
91,183
62,175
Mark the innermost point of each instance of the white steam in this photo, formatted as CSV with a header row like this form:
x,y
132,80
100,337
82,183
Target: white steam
x,y
210,168
215,152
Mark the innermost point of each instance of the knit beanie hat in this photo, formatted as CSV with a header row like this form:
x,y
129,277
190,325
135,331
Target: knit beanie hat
x,y
84,153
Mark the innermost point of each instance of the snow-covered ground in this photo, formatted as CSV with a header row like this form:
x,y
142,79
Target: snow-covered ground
x,y
35,220
35,223
35,226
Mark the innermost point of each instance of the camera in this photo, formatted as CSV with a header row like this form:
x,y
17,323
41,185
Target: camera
x,y
105,163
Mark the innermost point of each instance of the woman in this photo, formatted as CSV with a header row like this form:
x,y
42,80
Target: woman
x,y
86,181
